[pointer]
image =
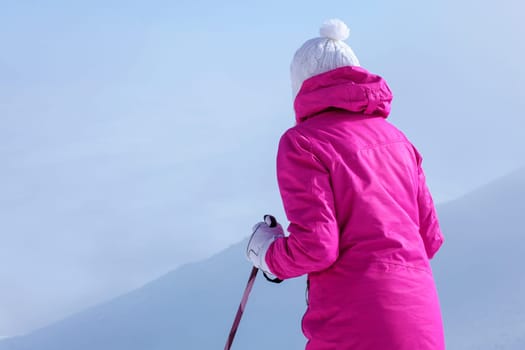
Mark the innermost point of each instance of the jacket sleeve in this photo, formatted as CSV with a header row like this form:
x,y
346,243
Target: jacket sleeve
x,y
428,221
304,183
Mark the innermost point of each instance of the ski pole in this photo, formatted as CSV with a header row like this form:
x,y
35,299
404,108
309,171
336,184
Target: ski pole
x,y
270,221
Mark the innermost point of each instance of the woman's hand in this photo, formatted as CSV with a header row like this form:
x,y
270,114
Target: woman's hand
x,y
262,237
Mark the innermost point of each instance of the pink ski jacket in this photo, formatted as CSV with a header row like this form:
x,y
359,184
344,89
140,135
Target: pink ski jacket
x,y
362,222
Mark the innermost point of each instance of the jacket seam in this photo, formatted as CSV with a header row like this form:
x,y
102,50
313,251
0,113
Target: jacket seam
x,y
376,145
312,150
412,267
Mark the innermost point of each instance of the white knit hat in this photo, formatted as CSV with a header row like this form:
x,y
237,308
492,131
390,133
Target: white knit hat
x,y
322,54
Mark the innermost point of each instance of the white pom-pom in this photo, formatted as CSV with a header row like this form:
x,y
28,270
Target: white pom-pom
x,y
335,29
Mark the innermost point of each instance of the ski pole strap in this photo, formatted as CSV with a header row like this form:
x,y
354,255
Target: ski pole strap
x,y
273,280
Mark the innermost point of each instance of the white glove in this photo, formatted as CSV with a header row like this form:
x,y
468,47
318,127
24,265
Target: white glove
x,y
262,236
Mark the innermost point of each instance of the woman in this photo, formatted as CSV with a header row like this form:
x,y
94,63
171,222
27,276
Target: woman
x,y
362,222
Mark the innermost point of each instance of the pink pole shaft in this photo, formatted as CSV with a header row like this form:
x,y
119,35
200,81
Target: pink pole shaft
x,y
240,310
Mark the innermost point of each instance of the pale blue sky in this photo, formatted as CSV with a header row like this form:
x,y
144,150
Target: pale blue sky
x,y
136,136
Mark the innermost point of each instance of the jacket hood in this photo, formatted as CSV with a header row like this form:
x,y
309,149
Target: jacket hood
x,y
353,89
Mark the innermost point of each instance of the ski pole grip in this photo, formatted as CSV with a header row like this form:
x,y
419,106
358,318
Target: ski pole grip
x,y
270,220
